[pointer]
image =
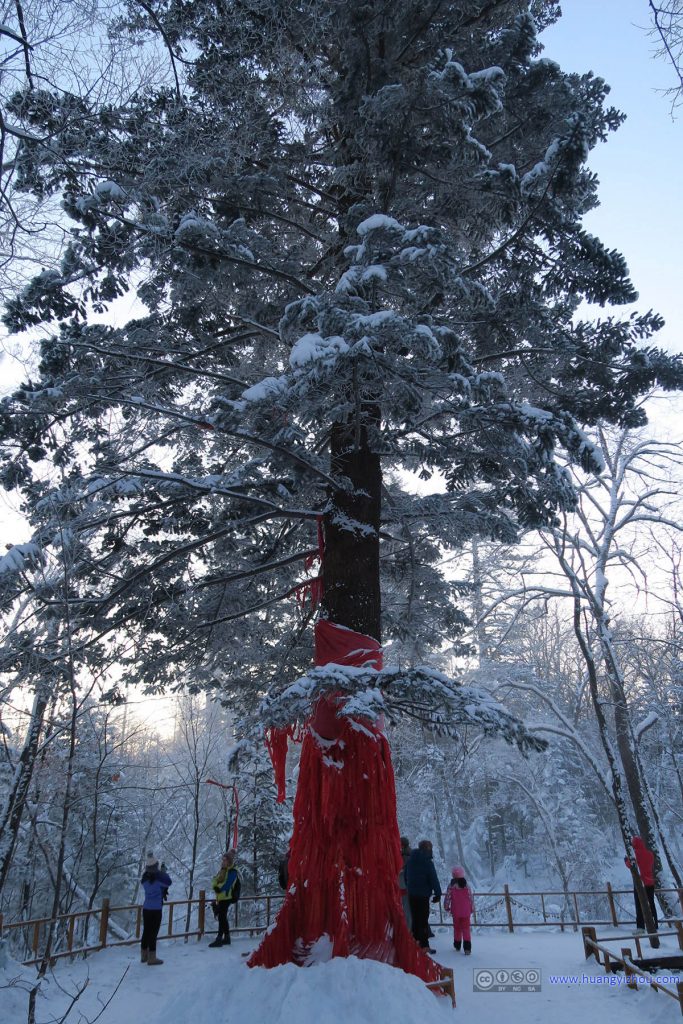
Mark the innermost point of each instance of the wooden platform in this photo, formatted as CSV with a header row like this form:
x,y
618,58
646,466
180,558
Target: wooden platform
x,y
636,967
652,963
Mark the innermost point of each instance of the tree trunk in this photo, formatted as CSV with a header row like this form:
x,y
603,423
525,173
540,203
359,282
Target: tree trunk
x,y
453,818
343,897
13,809
644,807
351,564
617,783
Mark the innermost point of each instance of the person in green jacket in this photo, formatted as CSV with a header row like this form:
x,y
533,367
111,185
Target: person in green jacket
x,y
226,885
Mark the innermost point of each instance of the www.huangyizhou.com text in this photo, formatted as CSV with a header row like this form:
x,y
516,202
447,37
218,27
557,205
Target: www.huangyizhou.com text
x,y
610,979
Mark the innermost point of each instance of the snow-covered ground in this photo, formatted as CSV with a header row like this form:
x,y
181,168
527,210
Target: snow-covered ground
x,y
198,985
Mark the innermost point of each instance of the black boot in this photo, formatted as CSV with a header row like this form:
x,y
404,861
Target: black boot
x,y
216,942
467,946
456,945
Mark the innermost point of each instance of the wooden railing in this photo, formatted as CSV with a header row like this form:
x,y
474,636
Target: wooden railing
x,y
86,931
545,915
624,960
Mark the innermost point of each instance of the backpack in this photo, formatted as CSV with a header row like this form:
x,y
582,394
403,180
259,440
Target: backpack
x,y
447,900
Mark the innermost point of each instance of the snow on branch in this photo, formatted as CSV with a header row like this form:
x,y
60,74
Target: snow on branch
x,y
20,557
645,724
421,693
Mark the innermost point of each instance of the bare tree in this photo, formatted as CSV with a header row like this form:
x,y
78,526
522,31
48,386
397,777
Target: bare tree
x,y
667,17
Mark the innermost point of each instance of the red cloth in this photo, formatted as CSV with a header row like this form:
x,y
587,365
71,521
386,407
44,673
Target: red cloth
x,y
345,854
276,745
461,929
340,646
645,859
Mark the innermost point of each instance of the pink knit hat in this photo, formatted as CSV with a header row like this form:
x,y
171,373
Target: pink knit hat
x,y
458,872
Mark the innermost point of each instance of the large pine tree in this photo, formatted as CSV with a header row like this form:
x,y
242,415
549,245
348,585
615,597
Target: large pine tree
x,y
354,231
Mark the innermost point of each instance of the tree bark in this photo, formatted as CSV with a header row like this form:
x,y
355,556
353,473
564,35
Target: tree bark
x,y
351,522
12,812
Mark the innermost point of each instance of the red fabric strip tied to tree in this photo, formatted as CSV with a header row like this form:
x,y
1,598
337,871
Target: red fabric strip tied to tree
x,y
276,744
342,897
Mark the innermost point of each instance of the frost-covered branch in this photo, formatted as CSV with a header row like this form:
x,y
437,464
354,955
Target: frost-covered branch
x,y
422,694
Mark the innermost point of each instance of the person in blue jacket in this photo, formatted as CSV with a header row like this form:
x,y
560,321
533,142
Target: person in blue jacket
x,y
226,885
421,882
155,882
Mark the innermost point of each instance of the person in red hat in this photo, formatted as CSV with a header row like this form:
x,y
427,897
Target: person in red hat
x,y
645,860
459,901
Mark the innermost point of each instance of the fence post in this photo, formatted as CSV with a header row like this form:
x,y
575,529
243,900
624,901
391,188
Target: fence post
x,y
170,919
589,951
70,933
612,907
628,971
138,921
104,923
508,907
201,914
680,899
679,930
36,938
679,989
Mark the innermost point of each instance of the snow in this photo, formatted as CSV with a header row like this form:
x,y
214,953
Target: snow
x,y
269,387
313,347
378,221
109,190
371,320
19,557
645,724
493,75
532,412
214,986
375,272
192,226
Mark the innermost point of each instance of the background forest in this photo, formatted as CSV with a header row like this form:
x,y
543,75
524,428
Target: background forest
x,y
182,220
542,822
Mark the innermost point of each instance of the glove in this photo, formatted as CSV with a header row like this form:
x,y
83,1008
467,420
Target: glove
x,y
436,899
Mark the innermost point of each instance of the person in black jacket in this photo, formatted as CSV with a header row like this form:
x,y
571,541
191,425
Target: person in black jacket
x,y
422,882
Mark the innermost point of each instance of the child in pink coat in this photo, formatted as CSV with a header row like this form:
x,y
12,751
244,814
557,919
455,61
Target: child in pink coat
x,y
459,901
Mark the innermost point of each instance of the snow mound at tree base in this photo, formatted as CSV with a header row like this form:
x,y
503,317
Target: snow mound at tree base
x,y
351,990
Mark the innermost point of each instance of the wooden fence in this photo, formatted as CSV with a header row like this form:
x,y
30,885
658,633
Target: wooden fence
x,y
557,908
632,968
87,931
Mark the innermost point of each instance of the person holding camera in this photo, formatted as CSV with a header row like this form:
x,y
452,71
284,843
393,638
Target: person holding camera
x,y
155,881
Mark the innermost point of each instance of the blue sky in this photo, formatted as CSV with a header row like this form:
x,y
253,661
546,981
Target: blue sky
x,y
641,211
